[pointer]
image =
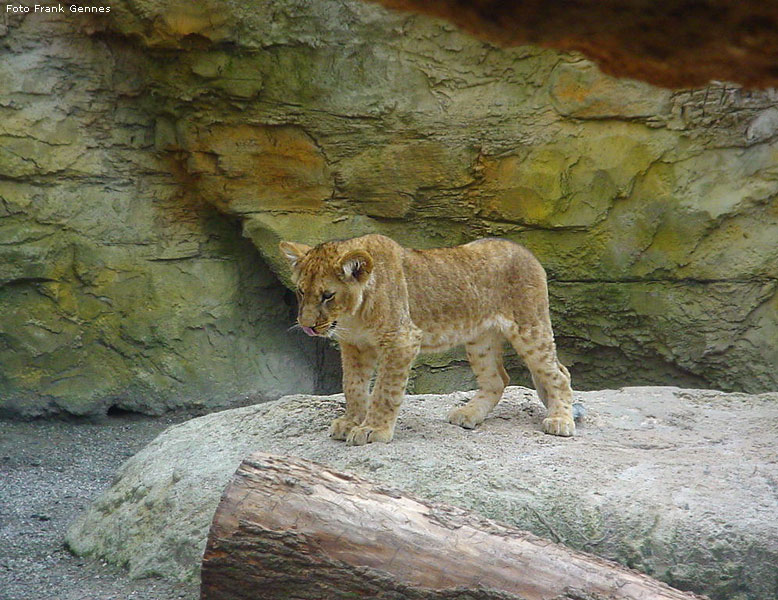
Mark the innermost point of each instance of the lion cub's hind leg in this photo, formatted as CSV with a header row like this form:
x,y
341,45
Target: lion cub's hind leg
x,y
485,356
535,345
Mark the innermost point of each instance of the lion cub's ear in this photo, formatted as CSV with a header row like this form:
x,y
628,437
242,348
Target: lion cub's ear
x,y
356,264
293,251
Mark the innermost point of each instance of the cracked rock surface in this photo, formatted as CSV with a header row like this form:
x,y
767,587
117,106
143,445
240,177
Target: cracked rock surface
x,y
654,212
677,483
137,148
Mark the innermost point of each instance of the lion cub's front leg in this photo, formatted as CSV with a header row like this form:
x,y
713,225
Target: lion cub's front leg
x,y
394,363
358,365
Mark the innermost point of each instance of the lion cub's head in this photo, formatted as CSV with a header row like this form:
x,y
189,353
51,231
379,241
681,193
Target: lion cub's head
x,y
330,282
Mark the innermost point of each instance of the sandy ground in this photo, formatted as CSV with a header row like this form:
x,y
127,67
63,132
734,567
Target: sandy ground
x,y
50,471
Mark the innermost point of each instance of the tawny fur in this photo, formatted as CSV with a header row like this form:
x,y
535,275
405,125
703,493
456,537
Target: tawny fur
x,y
388,303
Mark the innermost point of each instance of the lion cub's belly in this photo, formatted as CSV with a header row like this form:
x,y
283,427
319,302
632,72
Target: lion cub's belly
x,y
442,338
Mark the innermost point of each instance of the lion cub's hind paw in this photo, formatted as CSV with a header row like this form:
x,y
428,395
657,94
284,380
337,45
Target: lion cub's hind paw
x,y
466,417
563,426
341,427
364,434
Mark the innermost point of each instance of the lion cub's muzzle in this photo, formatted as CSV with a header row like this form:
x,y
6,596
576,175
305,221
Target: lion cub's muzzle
x,y
319,330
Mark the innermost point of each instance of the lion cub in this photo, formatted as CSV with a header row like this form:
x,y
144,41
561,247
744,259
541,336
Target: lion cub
x,y
385,303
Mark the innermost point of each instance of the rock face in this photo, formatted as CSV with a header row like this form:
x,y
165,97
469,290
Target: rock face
x,y
135,144
117,288
679,484
654,212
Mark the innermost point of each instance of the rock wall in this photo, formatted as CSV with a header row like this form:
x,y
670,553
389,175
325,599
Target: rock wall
x,y
134,143
654,212
117,288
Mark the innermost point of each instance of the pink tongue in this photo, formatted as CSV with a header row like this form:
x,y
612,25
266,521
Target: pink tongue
x,y
309,330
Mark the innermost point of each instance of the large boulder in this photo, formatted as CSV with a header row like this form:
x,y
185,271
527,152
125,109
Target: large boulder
x,y
677,483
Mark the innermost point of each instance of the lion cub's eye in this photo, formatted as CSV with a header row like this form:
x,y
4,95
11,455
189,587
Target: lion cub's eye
x,y
327,296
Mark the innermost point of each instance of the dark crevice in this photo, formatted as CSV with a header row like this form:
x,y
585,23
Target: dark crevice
x,y
21,281
119,412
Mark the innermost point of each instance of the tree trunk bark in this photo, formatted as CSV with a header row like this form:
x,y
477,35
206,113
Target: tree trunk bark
x,y
291,528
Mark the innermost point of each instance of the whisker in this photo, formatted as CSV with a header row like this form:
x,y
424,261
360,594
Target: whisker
x,y
336,335
337,332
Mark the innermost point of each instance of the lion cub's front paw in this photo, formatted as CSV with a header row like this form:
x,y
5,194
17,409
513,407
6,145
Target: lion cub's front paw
x,y
563,426
365,434
466,416
340,427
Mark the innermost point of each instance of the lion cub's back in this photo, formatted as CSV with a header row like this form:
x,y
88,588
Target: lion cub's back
x,y
481,277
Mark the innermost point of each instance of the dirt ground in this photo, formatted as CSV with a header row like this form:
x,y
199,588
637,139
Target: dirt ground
x,y
50,471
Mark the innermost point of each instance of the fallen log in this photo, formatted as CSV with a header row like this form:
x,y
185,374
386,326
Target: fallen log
x,y
292,528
